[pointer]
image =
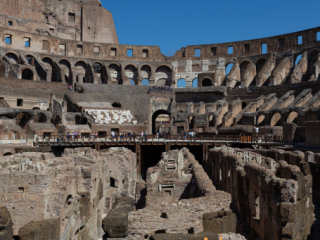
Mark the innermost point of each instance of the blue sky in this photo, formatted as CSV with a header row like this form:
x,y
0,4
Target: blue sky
x,y
172,24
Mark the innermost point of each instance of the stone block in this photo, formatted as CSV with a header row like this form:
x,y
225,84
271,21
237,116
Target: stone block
x,y
48,229
220,222
115,224
171,236
6,231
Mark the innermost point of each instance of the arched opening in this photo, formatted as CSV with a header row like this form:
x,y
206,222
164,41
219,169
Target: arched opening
x,y
22,119
65,71
112,182
181,83
132,82
191,231
297,59
81,69
7,154
276,120
35,109
260,121
116,105
161,121
115,74
293,117
132,73
191,122
52,70
27,74
145,82
40,118
164,75
243,67
206,82
211,121
13,58
313,57
56,120
228,68
145,72
98,70
195,83
39,69
260,64
79,120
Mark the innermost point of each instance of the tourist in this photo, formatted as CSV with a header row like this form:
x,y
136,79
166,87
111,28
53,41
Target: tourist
x,y
92,135
75,135
146,135
216,132
185,135
141,135
96,135
112,134
134,136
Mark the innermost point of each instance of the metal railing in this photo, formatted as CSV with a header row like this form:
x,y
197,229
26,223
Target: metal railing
x,y
67,139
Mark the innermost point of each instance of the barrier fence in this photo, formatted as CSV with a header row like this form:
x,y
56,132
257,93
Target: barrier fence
x,y
69,139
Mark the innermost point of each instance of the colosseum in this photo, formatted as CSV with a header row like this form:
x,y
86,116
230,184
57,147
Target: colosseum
x,y
98,140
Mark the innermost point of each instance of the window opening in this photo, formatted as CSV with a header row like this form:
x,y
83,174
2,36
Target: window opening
x,y
197,52
264,48
213,51
230,50
300,40
129,53
19,102
8,39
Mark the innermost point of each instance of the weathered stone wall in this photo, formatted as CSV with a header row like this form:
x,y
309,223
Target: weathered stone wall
x,y
273,196
80,188
178,198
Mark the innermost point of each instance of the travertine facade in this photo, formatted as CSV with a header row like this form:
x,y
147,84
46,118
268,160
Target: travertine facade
x,y
65,85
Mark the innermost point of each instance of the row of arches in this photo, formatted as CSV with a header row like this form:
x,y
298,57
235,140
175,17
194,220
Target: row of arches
x,y
112,73
277,119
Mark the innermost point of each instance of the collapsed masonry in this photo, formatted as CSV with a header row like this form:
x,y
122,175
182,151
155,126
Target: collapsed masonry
x,y
70,194
264,194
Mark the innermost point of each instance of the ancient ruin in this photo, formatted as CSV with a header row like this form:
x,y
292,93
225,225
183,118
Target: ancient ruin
x,y
97,141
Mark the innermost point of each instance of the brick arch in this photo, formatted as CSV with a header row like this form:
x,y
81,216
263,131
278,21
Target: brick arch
x,y
292,117
80,60
12,52
261,58
15,54
47,57
115,63
64,59
260,119
275,119
96,61
245,60
146,65
128,64
163,65
31,69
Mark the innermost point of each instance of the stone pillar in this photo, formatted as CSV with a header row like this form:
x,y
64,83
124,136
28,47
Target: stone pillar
x,y
289,130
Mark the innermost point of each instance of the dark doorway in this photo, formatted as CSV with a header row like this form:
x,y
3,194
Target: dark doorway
x,y
206,83
155,116
27,74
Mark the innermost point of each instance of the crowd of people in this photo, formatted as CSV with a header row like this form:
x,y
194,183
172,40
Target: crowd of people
x,y
132,136
160,88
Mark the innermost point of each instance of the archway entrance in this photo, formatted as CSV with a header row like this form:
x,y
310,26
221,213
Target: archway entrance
x,y
27,74
22,119
206,83
161,121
